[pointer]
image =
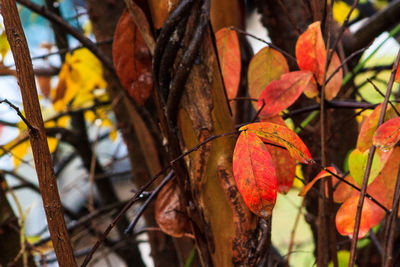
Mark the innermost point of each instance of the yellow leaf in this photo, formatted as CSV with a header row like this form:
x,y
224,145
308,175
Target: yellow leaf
x,y
52,142
79,76
340,11
87,28
299,173
41,249
113,135
63,121
19,152
4,45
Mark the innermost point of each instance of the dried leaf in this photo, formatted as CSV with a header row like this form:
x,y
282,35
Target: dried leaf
x,y
281,136
267,65
254,174
280,94
170,213
311,52
335,83
229,59
321,175
358,163
371,215
142,23
44,85
388,134
132,59
285,165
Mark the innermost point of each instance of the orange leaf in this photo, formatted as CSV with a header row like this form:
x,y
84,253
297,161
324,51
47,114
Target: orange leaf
x,y
371,215
369,126
267,65
229,59
281,136
132,59
335,83
382,188
285,165
388,134
342,191
280,94
321,175
311,52
254,174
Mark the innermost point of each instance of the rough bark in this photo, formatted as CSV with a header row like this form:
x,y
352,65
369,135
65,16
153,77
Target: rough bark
x,y
37,135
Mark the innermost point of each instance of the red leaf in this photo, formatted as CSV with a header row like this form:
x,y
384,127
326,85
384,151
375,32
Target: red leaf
x,y
335,83
285,165
388,134
369,126
280,94
229,59
281,136
254,174
397,77
311,52
321,175
371,215
132,59
267,65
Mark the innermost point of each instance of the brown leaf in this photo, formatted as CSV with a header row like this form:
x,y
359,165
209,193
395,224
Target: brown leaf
x,y
44,85
132,59
170,210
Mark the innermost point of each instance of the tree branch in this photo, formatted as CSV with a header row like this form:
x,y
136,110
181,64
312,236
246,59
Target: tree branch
x,y
378,23
41,10
40,149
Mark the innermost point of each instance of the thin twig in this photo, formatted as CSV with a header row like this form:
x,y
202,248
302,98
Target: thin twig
x,y
265,42
382,94
141,190
353,249
342,178
148,200
31,128
259,111
43,11
344,63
